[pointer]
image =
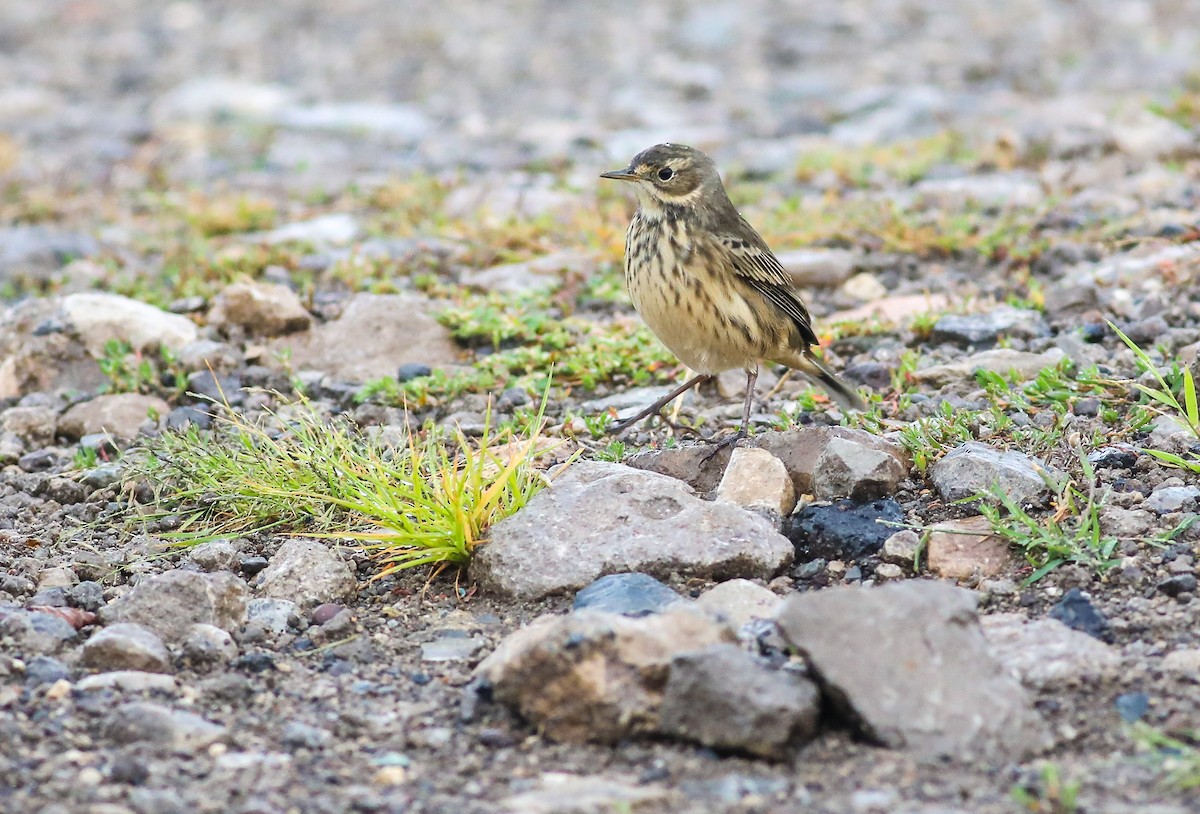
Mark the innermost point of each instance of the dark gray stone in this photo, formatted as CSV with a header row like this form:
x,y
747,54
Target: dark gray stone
x,y
628,594
844,529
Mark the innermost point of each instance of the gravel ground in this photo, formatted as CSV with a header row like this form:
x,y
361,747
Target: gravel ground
x,y
990,179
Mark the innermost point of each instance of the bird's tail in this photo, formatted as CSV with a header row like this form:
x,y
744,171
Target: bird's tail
x,y
846,397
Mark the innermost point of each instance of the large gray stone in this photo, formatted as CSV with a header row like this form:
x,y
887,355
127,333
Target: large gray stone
x,y
1005,361
375,334
170,603
601,518
126,646
909,664
99,317
723,698
1045,653
832,462
595,676
307,573
261,309
120,415
974,468
158,725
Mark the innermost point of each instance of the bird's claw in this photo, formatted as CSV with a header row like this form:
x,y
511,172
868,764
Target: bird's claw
x,y
727,441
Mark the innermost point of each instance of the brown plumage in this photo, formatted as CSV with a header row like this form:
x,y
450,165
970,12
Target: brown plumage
x,y
707,284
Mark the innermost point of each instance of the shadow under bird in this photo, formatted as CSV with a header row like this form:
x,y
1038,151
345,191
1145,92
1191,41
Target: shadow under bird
x,y
707,284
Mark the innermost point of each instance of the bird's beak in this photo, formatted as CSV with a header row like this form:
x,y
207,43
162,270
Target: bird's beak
x,y
620,175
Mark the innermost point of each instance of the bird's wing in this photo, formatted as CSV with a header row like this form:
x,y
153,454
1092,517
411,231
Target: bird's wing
x,y
753,261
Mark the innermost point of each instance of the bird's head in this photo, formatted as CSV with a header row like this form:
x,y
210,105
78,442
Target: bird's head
x,y
670,174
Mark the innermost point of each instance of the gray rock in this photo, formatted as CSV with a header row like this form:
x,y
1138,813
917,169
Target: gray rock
x,y
739,602
757,481
307,573
818,268
128,681
58,576
986,329
995,191
1167,499
1045,653
126,646
208,646
215,555
98,318
37,425
273,615
901,548
918,673
831,462
695,464
594,676
844,529
452,646
1005,361
374,334
724,698
260,309
31,633
627,594
395,121
299,735
974,467
162,726
170,603
336,229
532,275
1128,524
120,416
39,252
601,518
213,98
595,794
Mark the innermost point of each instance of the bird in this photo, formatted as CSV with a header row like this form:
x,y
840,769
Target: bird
x,y
707,284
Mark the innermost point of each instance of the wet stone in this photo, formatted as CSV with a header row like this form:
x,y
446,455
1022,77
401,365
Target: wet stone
x,y
1077,612
844,529
630,594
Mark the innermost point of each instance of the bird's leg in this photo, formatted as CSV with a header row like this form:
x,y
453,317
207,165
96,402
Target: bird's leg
x,y
654,408
744,430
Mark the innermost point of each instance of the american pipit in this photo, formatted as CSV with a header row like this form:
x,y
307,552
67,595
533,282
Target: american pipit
x,y
707,284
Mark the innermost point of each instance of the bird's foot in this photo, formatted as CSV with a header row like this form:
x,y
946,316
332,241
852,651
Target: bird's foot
x,y
727,442
620,426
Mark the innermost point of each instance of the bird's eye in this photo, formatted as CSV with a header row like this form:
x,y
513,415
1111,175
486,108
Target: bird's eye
x,y
666,174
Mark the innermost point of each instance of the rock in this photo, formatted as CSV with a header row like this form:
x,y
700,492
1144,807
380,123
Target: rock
x,y
30,633
260,309
207,646
37,425
274,615
1045,653
888,572
1115,456
215,98
126,646
1005,361
865,287
56,577
561,793
891,310
128,681
120,416
38,355
602,518
1076,611
986,329
918,674
335,229
158,725
1125,523
307,573
40,252
739,602
42,670
757,481
532,275
627,594
831,462
374,334
818,268
973,468
1186,661
170,603
99,318
1167,499
215,555
901,548
299,735
399,122
452,645
723,698
1001,190
844,529
594,676
1178,584
959,549
690,464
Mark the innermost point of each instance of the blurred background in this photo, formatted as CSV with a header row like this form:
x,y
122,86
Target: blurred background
x,y
316,94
